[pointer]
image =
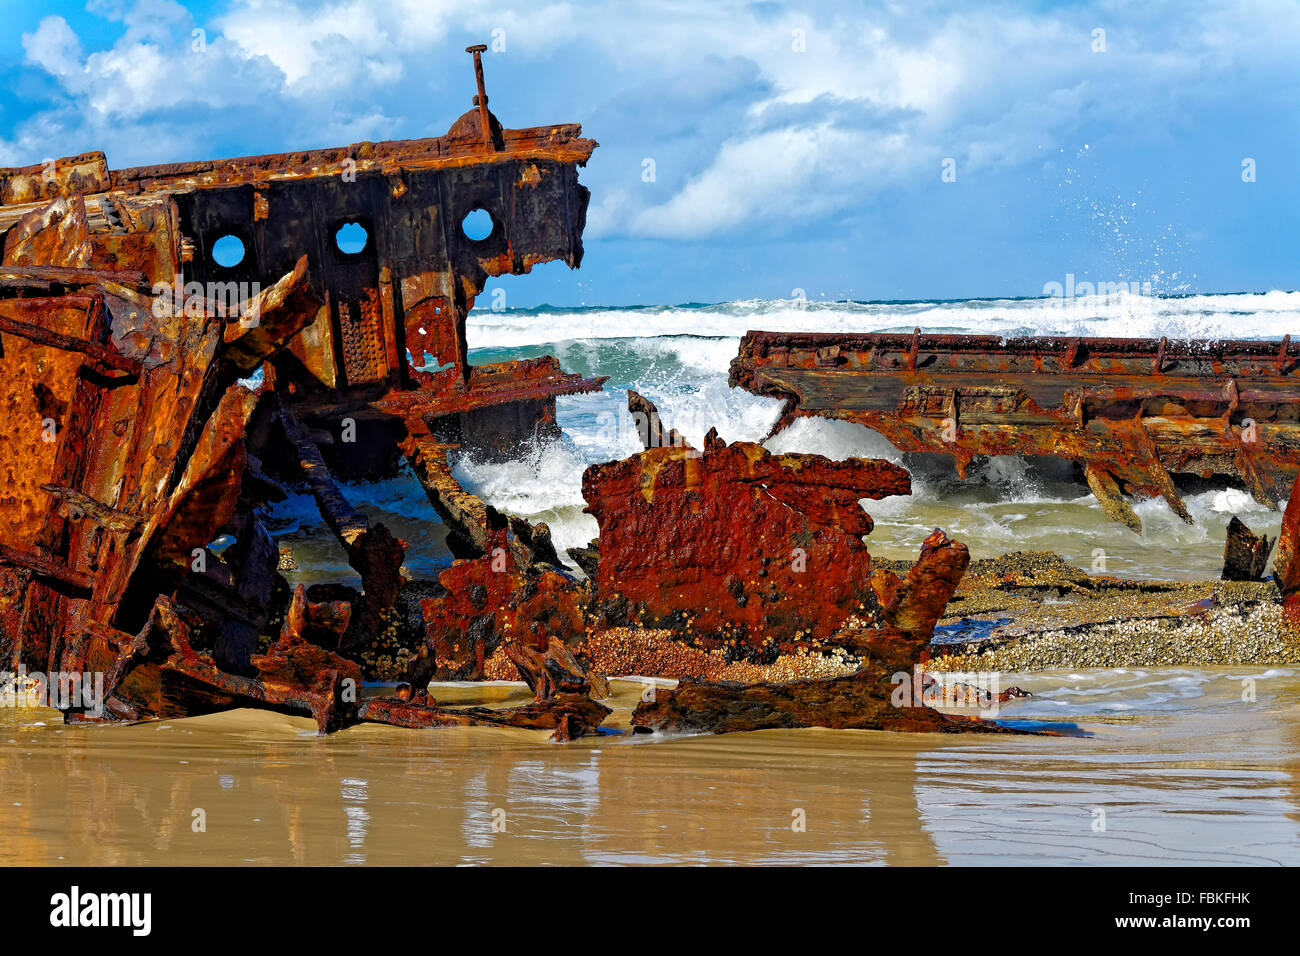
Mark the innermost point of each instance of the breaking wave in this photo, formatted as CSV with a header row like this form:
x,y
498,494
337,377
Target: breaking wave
x,y
678,357
1239,315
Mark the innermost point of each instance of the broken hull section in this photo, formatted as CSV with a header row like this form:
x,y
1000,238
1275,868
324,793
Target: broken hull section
x,y
1131,412
128,341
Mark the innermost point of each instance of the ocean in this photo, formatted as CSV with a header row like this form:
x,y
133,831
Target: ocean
x,y
678,357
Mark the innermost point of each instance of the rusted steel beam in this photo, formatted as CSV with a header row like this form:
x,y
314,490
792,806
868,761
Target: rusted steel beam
x,y
45,566
45,277
465,514
481,98
77,506
992,352
1106,490
470,522
458,148
264,322
346,522
497,384
1132,412
101,355
550,671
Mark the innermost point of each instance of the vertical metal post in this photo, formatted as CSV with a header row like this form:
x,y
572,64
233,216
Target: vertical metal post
x,y
481,99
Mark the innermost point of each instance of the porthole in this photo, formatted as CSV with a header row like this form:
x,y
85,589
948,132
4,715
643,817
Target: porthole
x,y
228,251
351,238
477,225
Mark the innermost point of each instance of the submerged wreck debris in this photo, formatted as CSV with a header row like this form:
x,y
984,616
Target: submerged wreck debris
x,y
1131,412
1245,554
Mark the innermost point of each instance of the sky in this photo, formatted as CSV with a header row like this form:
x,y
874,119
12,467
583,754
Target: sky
x,y
903,150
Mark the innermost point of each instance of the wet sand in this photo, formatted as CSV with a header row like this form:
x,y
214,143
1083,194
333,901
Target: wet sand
x,y
1182,768
1032,610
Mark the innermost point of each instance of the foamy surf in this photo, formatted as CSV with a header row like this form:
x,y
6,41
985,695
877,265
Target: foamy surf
x,y
678,357
1240,315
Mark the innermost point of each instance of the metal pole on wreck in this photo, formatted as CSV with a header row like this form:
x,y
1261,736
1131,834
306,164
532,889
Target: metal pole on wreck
x,y
481,99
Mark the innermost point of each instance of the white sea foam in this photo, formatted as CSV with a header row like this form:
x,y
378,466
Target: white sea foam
x,y
543,485
836,440
1244,315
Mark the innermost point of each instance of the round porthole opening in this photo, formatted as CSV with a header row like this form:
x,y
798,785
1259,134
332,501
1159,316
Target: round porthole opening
x,y
351,238
228,251
477,224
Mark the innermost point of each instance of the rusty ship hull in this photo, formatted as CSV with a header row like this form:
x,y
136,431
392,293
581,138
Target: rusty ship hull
x,y
1131,412
139,440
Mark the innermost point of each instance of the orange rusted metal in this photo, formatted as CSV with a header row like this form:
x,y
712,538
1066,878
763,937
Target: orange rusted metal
x,y
136,441
1131,412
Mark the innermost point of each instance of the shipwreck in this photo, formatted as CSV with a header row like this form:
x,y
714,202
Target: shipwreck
x,y
181,343
1131,412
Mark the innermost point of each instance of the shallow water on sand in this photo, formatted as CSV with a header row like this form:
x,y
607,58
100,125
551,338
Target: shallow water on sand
x,y
1178,768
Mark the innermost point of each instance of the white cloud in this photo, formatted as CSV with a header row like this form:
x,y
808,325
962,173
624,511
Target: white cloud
x,y
790,174
886,91
991,88
54,48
